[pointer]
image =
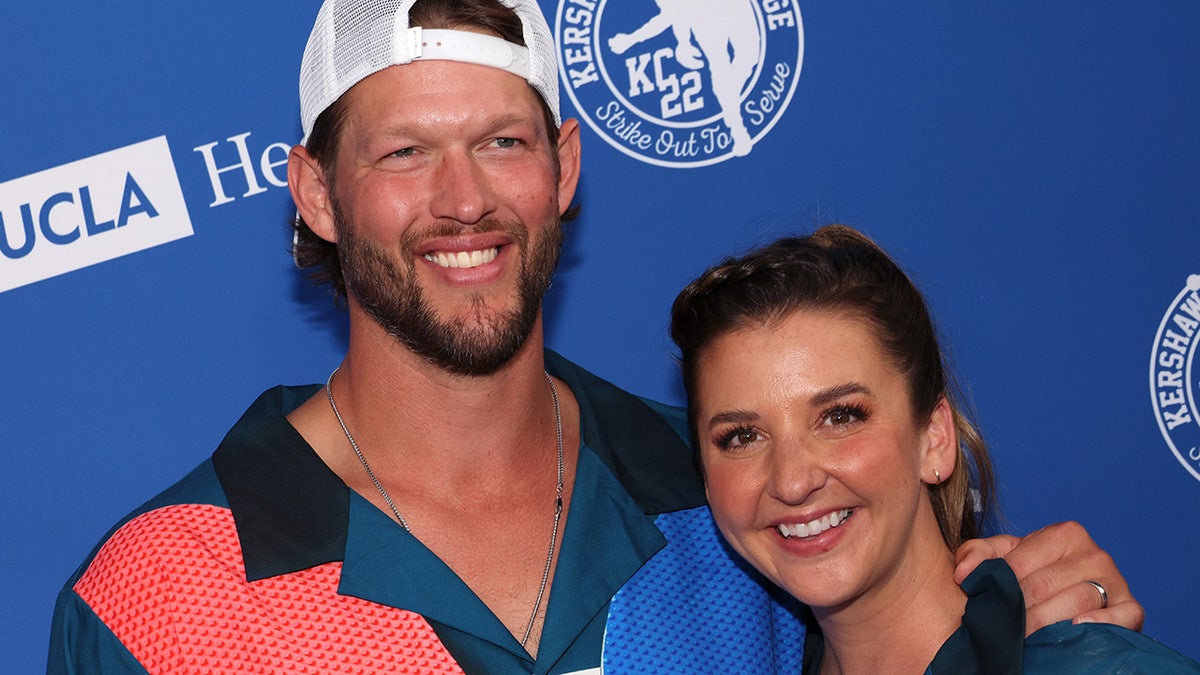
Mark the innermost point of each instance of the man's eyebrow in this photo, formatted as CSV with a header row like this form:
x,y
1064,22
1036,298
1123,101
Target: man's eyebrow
x,y
414,129
509,119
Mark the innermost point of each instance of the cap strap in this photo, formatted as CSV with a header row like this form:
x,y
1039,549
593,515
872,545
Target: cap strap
x,y
468,47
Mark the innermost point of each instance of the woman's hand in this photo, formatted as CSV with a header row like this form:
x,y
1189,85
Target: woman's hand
x,y
1054,566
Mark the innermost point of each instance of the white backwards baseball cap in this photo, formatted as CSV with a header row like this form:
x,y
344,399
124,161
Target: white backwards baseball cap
x,y
353,39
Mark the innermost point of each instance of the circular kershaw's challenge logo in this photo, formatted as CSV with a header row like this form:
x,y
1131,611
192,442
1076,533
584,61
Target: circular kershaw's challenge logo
x,y
1174,382
680,83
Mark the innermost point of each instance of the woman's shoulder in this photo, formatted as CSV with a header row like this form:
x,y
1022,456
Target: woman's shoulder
x,y
1100,648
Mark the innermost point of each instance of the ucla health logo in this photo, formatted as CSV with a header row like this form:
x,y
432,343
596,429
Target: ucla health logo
x,y
89,211
1174,381
680,83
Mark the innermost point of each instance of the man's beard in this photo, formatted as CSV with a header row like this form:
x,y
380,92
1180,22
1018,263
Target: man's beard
x,y
388,291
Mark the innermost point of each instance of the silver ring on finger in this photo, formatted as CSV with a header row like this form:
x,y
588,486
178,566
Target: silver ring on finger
x,y
1103,593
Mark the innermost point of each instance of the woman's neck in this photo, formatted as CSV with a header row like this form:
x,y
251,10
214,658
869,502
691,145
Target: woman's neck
x,y
899,625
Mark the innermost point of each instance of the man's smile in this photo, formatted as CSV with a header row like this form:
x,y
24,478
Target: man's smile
x,y
462,259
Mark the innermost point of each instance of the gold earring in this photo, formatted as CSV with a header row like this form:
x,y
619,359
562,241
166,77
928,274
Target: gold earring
x,y
937,477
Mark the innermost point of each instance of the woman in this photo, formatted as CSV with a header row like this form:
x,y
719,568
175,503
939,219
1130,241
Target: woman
x,y
838,464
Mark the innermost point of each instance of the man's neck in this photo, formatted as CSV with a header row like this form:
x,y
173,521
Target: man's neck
x,y
407,407
470,462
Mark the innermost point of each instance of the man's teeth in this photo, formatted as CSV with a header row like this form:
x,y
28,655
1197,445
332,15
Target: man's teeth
x,y
462,259
815,527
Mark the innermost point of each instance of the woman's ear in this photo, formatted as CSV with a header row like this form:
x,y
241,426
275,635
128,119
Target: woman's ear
x,y
941,444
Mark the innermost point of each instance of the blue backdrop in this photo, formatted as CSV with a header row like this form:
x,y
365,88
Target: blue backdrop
x,y
1035,165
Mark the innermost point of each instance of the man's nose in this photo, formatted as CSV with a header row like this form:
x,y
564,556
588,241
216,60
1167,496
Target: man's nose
x,y
462,190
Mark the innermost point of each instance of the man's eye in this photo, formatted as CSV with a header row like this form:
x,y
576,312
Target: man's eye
x,y
404,152
507,142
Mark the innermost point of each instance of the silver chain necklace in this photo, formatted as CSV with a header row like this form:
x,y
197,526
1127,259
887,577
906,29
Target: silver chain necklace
x,y
558,501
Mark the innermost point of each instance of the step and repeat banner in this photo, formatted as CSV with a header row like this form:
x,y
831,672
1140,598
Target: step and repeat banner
x,y
1035,165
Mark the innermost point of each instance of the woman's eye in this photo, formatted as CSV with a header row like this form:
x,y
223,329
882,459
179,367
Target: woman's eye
x,y
841,417
745,437
738,438
844,416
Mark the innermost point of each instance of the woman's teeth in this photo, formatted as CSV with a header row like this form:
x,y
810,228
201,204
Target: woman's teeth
x,y
815,527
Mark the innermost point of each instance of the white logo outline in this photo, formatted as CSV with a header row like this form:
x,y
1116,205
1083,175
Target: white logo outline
x,y
722,134
1183,310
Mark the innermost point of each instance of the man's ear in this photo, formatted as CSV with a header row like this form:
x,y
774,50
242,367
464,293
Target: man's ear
x,y
568,163
310,192
941,444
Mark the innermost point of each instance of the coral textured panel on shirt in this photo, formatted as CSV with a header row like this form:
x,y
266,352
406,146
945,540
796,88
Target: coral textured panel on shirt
x,y
171,584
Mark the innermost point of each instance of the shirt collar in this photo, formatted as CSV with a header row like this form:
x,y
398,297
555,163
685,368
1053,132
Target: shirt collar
x,y
289,507
993,625
607,538
292,511
992,632
634,438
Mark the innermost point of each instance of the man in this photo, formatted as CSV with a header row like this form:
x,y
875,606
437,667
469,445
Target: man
x,y
455,498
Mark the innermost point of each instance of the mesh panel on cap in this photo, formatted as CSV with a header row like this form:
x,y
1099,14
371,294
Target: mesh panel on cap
x,y
352,39
543,68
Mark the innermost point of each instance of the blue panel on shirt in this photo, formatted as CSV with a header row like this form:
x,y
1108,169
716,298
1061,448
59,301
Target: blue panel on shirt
x,y
696,607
